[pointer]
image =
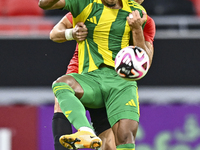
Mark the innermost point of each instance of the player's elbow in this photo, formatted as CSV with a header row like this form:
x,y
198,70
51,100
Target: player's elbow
x,y
52,36
55,38
43,4
150,54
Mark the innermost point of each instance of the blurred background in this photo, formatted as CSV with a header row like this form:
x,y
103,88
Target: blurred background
x,y
30,62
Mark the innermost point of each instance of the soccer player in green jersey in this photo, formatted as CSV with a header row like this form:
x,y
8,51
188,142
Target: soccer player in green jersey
x,y
97,84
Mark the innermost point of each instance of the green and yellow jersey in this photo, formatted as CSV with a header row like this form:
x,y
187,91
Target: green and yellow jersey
x,y
108,31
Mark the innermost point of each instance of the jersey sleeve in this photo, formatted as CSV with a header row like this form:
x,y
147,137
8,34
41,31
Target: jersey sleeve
x,y
149,30
73,65
69,17
76,6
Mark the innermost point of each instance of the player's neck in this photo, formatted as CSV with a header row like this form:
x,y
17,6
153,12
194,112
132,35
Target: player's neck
x,y
118,5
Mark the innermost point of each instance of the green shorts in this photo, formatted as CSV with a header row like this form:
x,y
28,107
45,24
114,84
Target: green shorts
x,y
105,88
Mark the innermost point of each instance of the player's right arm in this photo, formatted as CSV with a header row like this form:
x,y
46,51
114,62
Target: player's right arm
x,y
57,34
51,4
61,31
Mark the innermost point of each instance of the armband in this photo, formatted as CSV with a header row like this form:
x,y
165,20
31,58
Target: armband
x,y
68,34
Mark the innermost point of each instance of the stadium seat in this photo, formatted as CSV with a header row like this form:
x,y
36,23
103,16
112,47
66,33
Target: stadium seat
x,y
23,7
25,26
6,27
2,7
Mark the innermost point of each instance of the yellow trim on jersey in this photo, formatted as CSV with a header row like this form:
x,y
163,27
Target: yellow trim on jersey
x,y
81,54
126,6
82,18
136,5
125,148
81,58
92,65
67,87
98,1
83,15
138,104
108,16
126,37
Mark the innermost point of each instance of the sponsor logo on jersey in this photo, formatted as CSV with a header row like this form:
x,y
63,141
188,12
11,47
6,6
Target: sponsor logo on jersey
x,y
93,20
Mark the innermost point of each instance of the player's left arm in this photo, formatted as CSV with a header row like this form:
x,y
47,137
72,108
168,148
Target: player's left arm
x,y
149,32
135,22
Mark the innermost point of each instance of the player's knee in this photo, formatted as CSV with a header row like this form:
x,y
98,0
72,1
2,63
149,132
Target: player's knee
x,y
125,131
61,79
66,79
124,138
72,83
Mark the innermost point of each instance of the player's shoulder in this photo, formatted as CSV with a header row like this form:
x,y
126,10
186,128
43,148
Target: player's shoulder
x,y
136,5
150,21
150,27
69,14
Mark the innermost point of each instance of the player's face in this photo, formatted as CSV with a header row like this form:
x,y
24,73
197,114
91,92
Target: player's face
x,y
110,3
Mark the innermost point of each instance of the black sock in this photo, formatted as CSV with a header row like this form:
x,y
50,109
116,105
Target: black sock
x,y
60,126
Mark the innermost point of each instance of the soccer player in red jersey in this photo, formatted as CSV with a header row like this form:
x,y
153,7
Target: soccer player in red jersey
x,y
102,127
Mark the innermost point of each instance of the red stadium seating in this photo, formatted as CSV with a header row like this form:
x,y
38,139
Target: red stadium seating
x,y
2,7
23,7
25,26
23,18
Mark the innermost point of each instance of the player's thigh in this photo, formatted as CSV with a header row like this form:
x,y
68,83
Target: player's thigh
x,y
123,104
92,95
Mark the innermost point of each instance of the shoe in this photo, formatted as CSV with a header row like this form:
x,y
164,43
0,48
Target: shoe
x,y
80,139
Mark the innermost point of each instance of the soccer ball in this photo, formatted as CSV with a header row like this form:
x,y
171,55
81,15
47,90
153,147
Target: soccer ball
x,y
132,63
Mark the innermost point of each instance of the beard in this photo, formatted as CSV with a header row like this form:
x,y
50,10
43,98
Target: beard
x,y
110,5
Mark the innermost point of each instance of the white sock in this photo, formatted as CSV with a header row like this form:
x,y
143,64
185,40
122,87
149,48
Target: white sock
x,y
87,129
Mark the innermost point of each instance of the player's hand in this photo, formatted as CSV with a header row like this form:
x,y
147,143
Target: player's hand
x,y
80,32
135,21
